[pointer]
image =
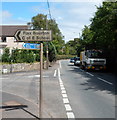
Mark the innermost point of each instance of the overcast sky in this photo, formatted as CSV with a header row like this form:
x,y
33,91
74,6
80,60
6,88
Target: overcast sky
x,y
71,16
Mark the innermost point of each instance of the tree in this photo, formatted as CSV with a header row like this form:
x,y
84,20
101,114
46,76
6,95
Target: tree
x,y
16,56
30,57
102,32
87,41
73,47
104,26
40,21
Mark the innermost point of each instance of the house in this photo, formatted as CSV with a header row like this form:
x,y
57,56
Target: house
x,y
7,38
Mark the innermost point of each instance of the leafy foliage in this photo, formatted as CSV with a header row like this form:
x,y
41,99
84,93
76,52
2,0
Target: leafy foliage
x,y
40,21
6,55
73,47
20,56
104,26
100,34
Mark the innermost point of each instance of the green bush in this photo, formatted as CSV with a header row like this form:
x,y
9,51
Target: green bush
x,y
16,56
30,58
6,55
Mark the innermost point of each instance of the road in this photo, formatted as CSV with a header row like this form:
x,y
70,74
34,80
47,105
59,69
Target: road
x,y
68,92
91,94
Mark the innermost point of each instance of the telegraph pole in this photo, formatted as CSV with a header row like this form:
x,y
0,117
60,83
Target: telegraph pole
x,y
47,60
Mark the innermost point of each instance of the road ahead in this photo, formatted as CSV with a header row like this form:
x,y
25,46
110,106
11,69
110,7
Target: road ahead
x,y
68,91
91,94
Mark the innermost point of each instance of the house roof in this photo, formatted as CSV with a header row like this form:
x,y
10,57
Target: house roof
x,y
10,30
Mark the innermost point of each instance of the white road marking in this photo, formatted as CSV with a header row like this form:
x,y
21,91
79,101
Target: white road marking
x,y
59,74
3,78
70,115
63,91
37,76
60,64
55,73
68,107
60,80
100,79
62,88
89,74
64,95
104,81
81,70
61,85
65,100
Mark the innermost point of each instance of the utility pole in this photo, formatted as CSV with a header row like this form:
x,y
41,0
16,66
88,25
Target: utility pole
x,y
47,63
47,60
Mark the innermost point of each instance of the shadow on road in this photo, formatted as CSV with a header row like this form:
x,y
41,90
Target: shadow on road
x,y
14,107
92,83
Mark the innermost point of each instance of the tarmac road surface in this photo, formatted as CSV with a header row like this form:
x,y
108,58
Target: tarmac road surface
x,y
68,92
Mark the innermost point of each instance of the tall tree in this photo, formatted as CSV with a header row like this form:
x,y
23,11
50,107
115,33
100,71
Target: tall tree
x,y
104,25
40,21
102,32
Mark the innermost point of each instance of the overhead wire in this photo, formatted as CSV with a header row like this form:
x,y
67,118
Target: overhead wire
x,y
49,10
50,15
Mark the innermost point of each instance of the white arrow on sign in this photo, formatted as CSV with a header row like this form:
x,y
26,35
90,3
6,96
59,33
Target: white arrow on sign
x,y
32,46
33,35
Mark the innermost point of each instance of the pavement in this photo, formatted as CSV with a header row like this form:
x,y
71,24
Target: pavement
x,y
14,106
20,95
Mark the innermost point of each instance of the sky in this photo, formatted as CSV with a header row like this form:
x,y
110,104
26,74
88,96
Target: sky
x,y
71,16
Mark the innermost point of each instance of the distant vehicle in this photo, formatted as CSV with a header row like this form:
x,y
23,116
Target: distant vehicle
x,y
77,61
72,60
92,59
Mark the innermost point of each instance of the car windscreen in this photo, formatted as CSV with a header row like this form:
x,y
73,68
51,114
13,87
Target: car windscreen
x,y
77,58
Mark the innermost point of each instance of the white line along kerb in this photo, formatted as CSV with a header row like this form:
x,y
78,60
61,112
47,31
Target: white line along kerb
x,y
60,64
65,100
68,108
64,95
59,75
63,91
70,115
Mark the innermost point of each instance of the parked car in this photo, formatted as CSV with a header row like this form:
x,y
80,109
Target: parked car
x,y
72,60
77,61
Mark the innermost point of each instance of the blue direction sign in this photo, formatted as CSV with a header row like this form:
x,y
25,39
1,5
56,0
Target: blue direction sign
x,y
31,46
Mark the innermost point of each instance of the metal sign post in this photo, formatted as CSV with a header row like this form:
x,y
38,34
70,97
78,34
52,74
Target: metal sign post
x,y
40,87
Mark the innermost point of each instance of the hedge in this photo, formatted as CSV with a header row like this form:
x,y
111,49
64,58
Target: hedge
x,y
59,57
